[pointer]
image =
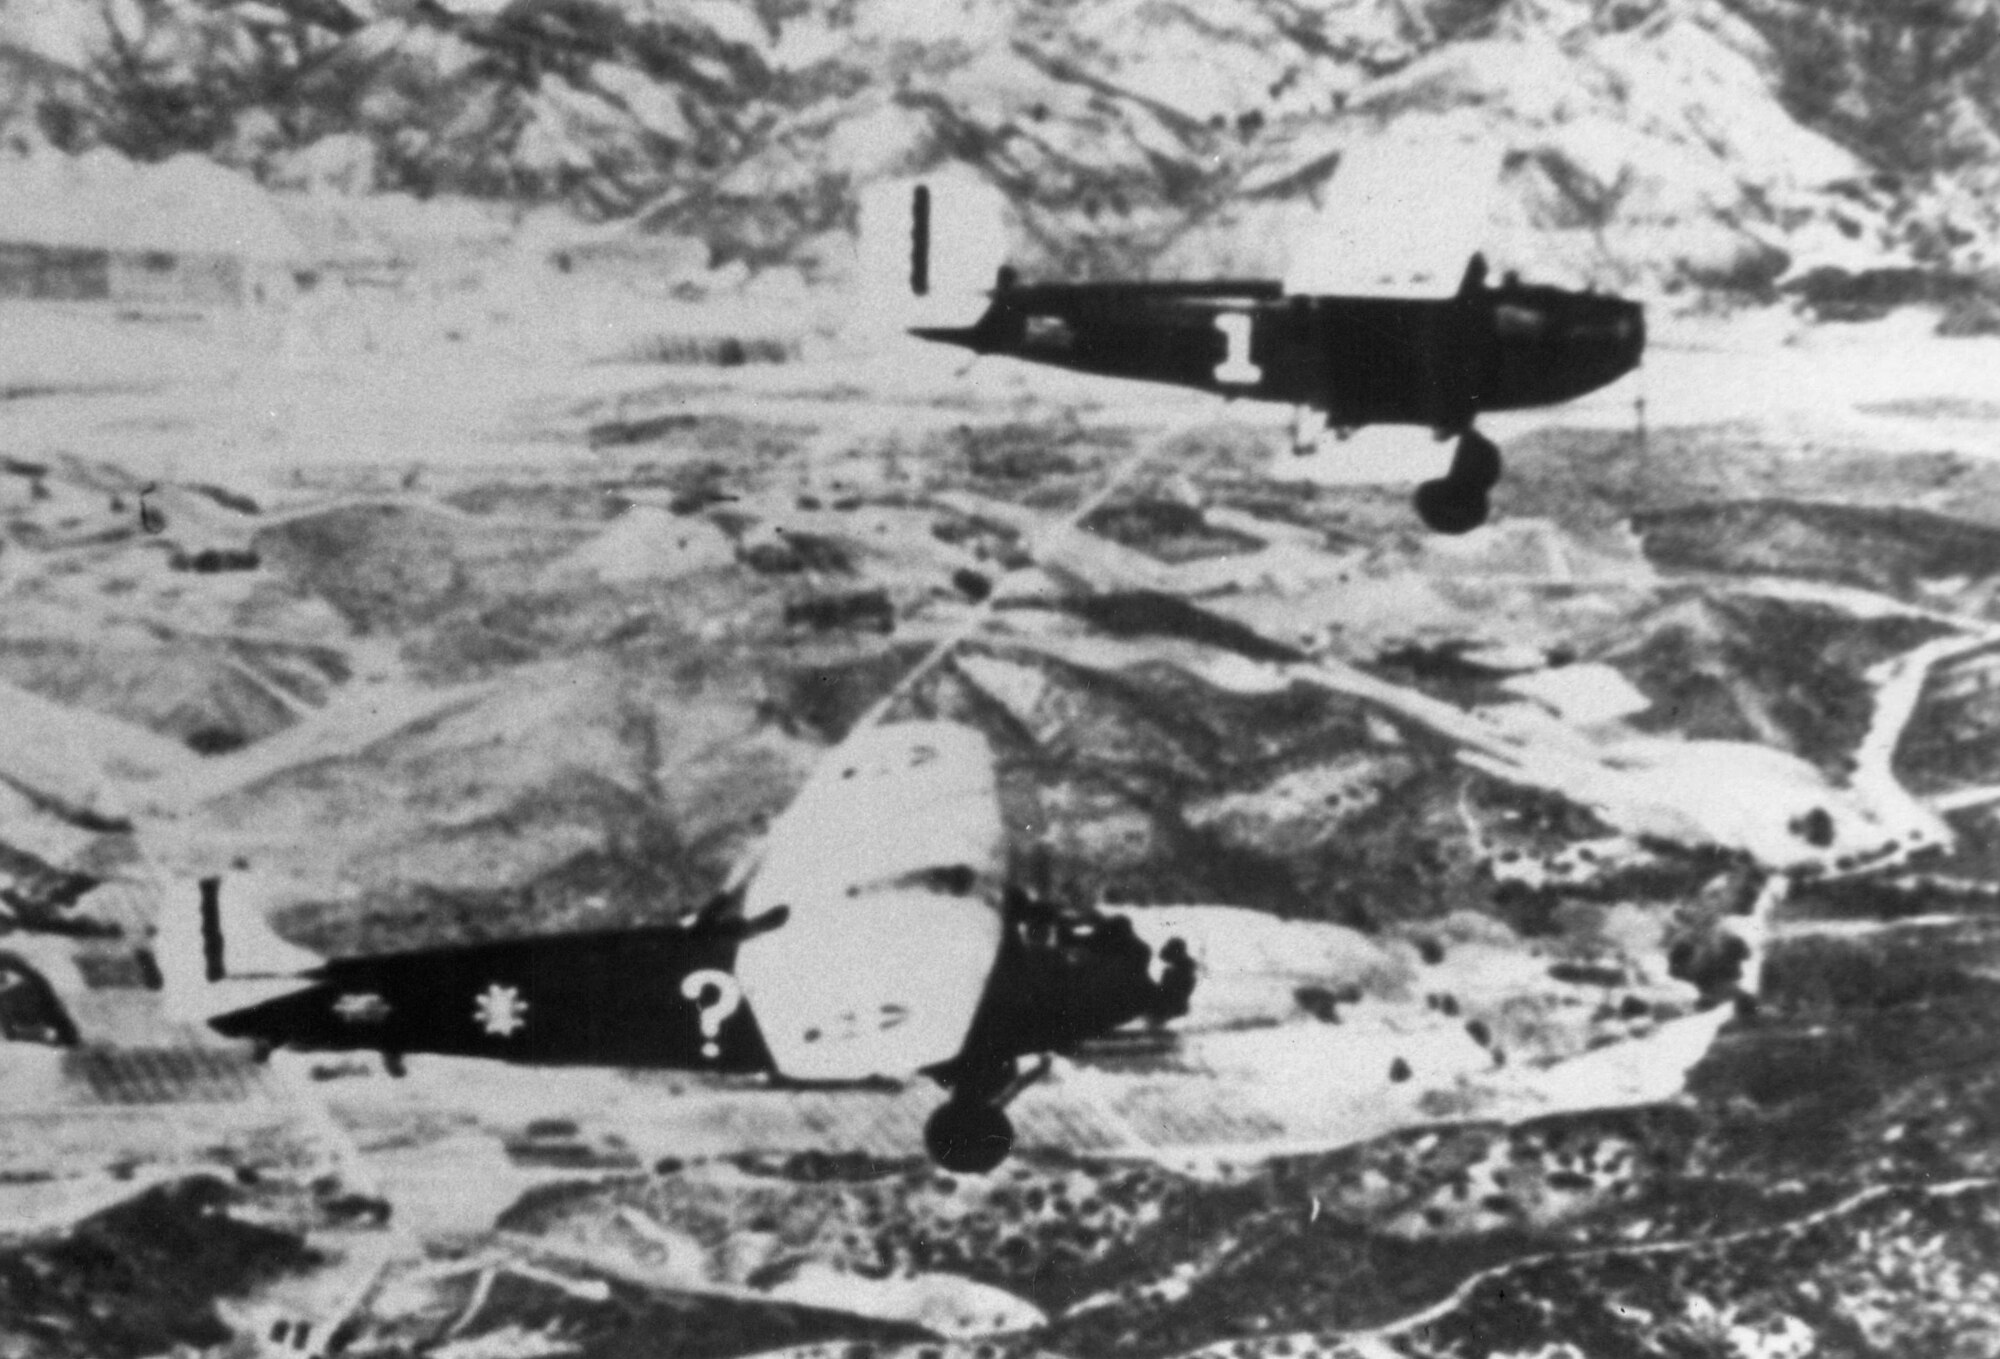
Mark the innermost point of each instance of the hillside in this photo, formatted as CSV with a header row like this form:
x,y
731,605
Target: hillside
x,y
1666,142
1592,915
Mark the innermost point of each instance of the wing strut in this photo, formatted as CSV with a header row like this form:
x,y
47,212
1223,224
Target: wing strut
x,y
1123,473
977,619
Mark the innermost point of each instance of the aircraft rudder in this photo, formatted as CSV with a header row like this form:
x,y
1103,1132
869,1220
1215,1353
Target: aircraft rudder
x,y
215,949
928,248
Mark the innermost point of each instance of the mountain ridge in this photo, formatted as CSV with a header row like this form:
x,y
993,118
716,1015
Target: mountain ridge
x,y
1705,143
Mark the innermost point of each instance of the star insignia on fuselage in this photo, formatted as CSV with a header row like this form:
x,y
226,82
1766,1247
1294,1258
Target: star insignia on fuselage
x,y
500,1010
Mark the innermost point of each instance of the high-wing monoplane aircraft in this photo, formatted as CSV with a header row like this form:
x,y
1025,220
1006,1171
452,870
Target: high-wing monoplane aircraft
x,y
874,940
1367,327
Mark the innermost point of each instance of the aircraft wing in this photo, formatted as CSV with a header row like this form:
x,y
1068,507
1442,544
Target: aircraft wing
x,y
1407,207
886,863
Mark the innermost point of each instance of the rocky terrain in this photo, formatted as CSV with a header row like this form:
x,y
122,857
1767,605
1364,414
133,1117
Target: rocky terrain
x,y
1593,914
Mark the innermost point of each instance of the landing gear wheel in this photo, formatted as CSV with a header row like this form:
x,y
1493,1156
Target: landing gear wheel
x,y
1476,462
1449,505
968,1138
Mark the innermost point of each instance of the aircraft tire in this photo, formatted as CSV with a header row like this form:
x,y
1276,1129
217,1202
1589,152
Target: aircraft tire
x,y
1475,462
967,1137
1451,506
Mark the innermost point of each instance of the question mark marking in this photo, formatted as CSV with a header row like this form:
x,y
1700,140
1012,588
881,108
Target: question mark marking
x,y
724,994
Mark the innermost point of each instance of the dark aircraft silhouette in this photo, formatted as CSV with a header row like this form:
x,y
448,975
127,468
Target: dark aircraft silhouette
x,y
1356,334
872,942
1436,363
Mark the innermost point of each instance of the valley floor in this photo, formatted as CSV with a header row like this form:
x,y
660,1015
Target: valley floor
x,y
1595,914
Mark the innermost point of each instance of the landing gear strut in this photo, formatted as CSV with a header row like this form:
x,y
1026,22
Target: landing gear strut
x,y
1457,502
970,1133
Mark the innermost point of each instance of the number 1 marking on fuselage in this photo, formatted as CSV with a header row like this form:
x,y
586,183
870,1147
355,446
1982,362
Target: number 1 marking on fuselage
x,y
1236,368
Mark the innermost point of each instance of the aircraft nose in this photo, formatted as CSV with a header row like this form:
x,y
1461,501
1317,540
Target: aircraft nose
x,y
1628,335
1556,346
1609,339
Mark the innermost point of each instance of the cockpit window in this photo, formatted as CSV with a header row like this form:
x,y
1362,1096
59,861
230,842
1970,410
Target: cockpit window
x,y
1520,323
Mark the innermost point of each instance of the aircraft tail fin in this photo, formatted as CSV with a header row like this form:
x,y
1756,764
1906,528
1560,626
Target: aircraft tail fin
x,y
928,249
217,951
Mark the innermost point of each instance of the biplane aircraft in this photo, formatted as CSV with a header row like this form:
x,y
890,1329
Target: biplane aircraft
x,y
873,940
1365,329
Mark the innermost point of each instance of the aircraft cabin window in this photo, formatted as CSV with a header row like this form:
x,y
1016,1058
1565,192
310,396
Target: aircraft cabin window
x,y
1052,332
1520,322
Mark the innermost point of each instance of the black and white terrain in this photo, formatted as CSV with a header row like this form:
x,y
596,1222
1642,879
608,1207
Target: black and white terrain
x,y
1595,913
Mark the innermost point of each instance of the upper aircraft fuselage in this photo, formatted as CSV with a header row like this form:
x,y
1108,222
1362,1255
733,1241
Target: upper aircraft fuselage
x,y
1363,360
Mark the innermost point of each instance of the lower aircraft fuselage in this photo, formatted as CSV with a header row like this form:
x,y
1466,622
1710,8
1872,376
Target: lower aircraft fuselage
x,y
649,997
1437,363
667,997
